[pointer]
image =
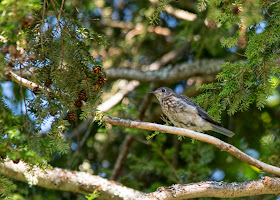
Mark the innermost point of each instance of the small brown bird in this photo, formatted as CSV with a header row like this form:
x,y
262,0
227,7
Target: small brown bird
x,y
185,113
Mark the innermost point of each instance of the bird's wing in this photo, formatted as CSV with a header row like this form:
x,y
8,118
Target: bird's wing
x,y
202,113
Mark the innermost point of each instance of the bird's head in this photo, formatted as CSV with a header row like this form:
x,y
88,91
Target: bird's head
x,y
162,92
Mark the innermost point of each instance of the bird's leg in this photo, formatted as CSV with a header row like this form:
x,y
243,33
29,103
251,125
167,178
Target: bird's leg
x,y
165,119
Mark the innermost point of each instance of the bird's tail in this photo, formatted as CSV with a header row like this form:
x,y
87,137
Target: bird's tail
x,y
222,130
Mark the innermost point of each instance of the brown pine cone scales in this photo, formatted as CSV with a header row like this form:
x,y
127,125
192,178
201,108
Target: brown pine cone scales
x,y
95,87
82,95
78,103
97,70
101,80
72,116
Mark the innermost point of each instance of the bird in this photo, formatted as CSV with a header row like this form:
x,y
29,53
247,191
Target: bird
x,y
185,113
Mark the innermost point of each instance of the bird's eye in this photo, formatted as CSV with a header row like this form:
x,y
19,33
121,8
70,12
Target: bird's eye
x,y
163,90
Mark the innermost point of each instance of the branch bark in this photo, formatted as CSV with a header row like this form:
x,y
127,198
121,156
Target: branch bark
x,y
168,74
266,185
24,82
195,135
139,27
66,180
81,182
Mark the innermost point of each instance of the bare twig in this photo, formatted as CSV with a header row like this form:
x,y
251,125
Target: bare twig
x,y
115,99
266,185
129,138
66,180
171,55
122,156
195,135
178,13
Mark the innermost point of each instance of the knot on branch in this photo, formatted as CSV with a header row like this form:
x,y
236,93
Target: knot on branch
x,y
272,183
225,147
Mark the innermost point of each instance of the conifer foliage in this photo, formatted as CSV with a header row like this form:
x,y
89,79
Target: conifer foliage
x,y
54,51
64,49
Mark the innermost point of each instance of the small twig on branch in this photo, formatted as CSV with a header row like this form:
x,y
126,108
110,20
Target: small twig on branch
x,y
115,99
195,135
124,149
266,185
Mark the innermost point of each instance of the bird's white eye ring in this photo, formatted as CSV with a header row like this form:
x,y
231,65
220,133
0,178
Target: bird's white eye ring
x,y
163,90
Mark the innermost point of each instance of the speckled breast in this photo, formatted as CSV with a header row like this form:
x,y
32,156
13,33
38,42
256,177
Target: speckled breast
x,y
169,105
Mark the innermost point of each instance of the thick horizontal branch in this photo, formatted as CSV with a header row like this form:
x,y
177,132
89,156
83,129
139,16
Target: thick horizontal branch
x,y
266,185
139,27
168,74
195,135
66,180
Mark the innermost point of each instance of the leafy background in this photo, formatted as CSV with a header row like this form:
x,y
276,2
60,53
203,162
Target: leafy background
x,y
45,38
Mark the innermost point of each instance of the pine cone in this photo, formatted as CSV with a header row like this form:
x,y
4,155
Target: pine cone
x,y
97,70
36,90
48,82
72,116
242,41
235,10
102,80
78,103
95,87
210,23
82,95
27,21
5,49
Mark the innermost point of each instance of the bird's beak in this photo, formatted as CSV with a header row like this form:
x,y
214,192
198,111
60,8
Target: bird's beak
x,y
153,92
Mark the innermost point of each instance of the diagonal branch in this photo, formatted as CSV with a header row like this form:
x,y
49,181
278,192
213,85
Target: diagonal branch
x,y
266,185
124,150
66,180
168,74
195,135
24,82
178,13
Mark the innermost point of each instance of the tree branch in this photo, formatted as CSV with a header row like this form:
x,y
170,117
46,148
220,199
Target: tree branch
x,y
195,135
138,27
168,74
23,81
266,185
116,98
66,180
178,13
